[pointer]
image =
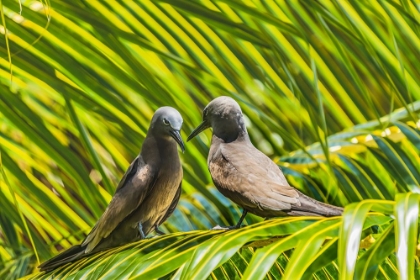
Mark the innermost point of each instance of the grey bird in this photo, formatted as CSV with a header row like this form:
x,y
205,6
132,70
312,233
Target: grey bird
x,y
145,197
244,174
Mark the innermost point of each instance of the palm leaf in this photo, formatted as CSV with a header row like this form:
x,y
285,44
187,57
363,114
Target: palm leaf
x,y
197,254
317,82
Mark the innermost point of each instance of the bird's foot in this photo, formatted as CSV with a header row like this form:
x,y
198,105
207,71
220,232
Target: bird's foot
x,y
238,225
224,228
158,231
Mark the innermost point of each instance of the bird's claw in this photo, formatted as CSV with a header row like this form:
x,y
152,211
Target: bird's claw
x,y
224,228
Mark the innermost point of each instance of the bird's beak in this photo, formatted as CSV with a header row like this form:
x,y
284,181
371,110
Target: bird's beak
x,y
177,136
203,126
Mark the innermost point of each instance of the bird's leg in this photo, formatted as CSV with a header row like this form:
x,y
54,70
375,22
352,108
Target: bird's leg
x,y
241,219
238,225
158,231
141,231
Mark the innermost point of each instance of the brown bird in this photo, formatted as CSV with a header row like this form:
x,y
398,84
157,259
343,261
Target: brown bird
x,y
146,196
244,174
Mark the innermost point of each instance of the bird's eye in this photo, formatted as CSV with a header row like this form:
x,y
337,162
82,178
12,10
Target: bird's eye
x,y
165,122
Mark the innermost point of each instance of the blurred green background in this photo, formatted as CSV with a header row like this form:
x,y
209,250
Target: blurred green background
x,y
330,90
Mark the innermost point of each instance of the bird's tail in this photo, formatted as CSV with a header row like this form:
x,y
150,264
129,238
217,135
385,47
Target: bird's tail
x,y
311,207
70,255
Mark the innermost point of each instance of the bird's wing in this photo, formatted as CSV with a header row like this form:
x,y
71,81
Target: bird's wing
x,y
250,178
131,171
130,193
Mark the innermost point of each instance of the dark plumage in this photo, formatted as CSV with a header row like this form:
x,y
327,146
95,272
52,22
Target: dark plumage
x,y
146,196
247,176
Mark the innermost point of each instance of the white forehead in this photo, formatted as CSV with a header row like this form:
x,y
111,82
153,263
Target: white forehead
x,y
168,112
223,104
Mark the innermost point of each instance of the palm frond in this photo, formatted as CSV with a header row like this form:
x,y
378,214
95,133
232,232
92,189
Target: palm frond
x,y
318,82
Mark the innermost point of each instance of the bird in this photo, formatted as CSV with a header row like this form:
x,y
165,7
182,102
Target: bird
x,y
146,196
247,176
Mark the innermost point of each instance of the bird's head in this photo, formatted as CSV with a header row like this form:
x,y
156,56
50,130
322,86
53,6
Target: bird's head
x,y
167,122
224,115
